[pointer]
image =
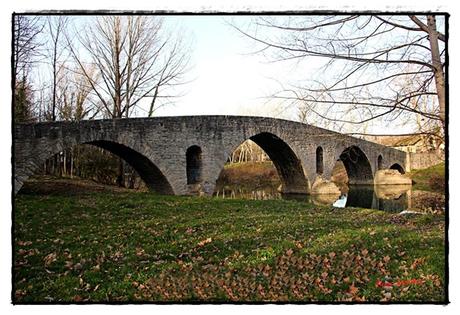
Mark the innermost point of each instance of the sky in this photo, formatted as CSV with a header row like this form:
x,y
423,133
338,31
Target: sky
x,y
226,77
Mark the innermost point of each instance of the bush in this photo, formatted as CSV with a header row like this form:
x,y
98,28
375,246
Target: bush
x,y
249,172
437,182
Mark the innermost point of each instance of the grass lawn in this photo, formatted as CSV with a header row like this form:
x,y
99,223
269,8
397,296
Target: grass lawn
x,y
429,179
122,246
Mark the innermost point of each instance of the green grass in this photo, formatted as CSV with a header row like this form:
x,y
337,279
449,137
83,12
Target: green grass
x,y
123,246
430,179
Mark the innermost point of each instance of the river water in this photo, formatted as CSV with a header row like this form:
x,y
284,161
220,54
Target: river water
x,y
390,198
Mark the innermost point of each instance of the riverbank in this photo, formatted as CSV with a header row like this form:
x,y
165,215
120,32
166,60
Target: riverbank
x,y
429,179
102,246
249,174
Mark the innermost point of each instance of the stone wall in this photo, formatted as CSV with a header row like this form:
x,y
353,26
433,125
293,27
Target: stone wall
x,y
423,159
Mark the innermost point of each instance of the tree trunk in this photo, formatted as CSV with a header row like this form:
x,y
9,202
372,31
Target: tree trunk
x,y
71,163
65,163
53,114
120,180
438,69
152,103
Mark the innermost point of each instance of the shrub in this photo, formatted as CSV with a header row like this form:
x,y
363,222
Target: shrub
x,y
437,182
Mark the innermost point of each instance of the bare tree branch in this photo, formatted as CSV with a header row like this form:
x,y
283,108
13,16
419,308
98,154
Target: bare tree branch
x,y
373,68
134,58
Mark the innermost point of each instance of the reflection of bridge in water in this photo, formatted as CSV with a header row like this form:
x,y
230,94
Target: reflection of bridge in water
x,y
391,198
383,197
185,155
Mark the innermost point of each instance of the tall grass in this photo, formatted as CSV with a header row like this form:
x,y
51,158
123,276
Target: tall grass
x,y
249,173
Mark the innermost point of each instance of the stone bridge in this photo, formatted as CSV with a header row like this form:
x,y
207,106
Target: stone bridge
x,y
185,154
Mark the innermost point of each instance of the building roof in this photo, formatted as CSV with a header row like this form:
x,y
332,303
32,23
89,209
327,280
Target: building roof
x,y
410,140
396,141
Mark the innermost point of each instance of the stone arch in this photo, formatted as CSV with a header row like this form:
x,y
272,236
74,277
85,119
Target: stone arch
x,y
153,177
319,161
379,162
288,165
194,165
398,167
357,165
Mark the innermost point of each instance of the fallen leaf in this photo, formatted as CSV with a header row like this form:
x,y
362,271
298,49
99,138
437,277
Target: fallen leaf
x,y
353,290
27,243
417,262
68,265
140,252
204,242
77,298
50,258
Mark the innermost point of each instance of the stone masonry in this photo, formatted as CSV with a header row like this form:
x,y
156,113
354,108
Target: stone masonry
x,y
156,148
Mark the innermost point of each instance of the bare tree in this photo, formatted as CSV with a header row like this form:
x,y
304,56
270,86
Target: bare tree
x,y
134,59
25,43
367,62
74,99
55,27
26,30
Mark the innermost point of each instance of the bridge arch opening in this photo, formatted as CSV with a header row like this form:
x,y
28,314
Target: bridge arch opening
x,y
149,173
380,162
357,166
398,167
194,165
265,156
147,170
319,161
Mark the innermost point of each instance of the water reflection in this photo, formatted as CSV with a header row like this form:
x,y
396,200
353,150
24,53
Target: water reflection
x,y
391,198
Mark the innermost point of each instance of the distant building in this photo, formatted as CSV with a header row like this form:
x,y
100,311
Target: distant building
x,y
422,150
411,143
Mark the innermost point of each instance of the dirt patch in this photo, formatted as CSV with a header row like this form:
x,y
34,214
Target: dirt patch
x,y
45,185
